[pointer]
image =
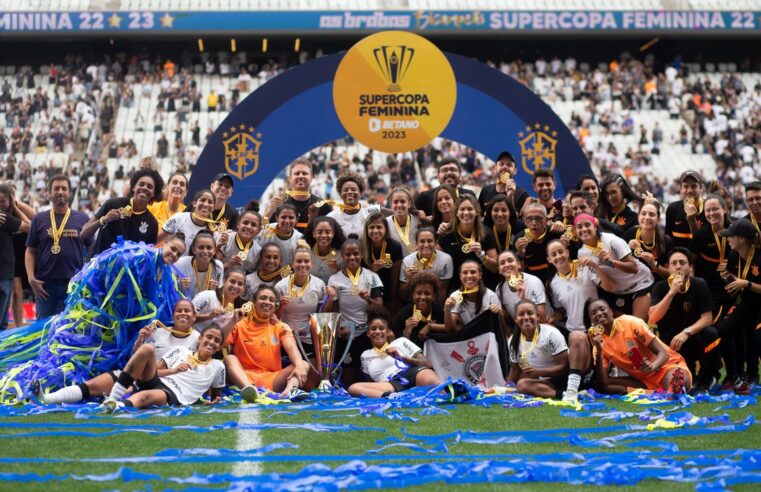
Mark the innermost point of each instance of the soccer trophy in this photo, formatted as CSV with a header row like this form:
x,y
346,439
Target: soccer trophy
x,y
323,331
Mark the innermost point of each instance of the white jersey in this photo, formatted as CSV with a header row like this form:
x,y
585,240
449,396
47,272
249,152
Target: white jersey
x,y
253,281
467,309
383,368
322,270
185,267
549,344
353,223
296,313
163,341
206,302
352,307
287,246
442,265
188,386
571,295
534,292
231,249
414,225
626,283
183,223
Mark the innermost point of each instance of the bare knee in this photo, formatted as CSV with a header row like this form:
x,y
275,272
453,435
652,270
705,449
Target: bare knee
x,y
146,351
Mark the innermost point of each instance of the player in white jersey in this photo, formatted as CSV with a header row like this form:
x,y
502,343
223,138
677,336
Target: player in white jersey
x,y
518,285
181,377
350,214
326,238
282,232
220,306
240,249
190,223
270,270
392,366
470,300
163,339
200,271
426,258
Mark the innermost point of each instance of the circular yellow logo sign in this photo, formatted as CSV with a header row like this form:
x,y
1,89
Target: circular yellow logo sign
x,y
394,91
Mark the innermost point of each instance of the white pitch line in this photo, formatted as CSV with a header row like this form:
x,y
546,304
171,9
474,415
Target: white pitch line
x,y
248,439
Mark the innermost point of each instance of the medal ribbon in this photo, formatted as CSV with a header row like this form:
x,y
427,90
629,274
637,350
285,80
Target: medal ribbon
x,y
292,284
132,206
524,352
404,234
198,278
508,233
721,244
301,194
210,223
240,245
381,351
278,273
354,277
642,242
58,230
472,236
426,263
382,252
326,257
572,273
178,334
418,315
748,260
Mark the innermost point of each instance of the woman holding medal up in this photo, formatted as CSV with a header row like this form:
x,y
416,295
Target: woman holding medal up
x,y
282,232
518,285
356,289
424,315
632,278
190,223
403,224
470,300
301,294
427,258
201,271
270,270
712,250
468,239
648,241
326,238
382,255
241,249
443,208
502,219
219,305
538,355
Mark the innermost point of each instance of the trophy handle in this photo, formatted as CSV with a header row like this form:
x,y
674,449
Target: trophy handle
x,y
304,352
346,350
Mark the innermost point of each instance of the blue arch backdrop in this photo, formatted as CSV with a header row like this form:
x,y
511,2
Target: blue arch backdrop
x,y
293,113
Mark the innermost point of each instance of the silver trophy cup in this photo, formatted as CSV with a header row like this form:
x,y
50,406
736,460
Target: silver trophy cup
x,y
323,331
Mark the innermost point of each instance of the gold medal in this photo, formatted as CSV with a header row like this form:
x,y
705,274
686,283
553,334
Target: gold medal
x,y
569,234
596,330
689,201
243,255
247,307
504,178
466,248
523,363
637,251
512,282
319,203
55,249
354,290
125,212
229,309
528,235
457,297
222,227
417,316
388,263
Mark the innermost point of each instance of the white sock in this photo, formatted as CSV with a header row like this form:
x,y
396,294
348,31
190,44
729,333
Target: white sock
x,y
574,380
117,391
69,394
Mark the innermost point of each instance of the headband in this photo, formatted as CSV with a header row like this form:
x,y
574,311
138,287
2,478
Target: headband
x,y
588,217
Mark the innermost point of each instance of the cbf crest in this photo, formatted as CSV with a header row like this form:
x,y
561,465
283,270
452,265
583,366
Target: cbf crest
x,y
538,148
241,151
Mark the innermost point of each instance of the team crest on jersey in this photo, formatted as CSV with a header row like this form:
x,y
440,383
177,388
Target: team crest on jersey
x,y
686,306
274,340
143,227
241,150
754,270
538,148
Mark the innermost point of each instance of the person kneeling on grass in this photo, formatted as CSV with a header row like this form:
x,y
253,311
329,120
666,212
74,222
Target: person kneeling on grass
x,y
640,358
178,378
538,355
254,347
393,366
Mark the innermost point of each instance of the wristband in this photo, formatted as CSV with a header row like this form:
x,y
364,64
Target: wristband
x,y
102,224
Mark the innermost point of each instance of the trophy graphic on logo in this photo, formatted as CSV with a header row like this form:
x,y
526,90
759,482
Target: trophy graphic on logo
x,y
393,61
323,331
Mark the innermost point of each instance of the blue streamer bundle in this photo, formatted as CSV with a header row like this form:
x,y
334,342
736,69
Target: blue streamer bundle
x,y
110,299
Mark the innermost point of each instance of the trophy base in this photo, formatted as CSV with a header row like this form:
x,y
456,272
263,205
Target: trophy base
x,y
325,386
393,88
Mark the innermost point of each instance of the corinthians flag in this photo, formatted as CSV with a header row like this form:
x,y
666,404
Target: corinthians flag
x,y
477,353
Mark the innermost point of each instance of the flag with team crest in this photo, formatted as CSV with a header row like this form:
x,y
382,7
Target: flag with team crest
x,y
477,353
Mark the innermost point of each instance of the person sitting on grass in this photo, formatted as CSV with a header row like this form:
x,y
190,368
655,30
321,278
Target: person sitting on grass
x,y
630,356
538,355
254,346
162,339
178,378
392,366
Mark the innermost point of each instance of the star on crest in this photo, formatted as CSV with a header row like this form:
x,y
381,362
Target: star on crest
x,y
115,20
167,20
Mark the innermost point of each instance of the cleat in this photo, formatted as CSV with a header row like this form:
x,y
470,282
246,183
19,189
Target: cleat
x,y
249,394
297,394
111,405
570,396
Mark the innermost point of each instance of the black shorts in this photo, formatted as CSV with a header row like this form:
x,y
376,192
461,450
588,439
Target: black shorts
x,y
157,384
623,302
406,379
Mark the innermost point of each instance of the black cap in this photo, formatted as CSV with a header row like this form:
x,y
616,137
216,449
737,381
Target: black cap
x,y
504,154
691,174
221,176
742,228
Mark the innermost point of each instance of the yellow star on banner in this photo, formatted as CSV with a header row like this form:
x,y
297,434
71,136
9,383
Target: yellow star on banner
x,y
258,135
250,129
537,126
167,20
115,20
242,126
225,134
